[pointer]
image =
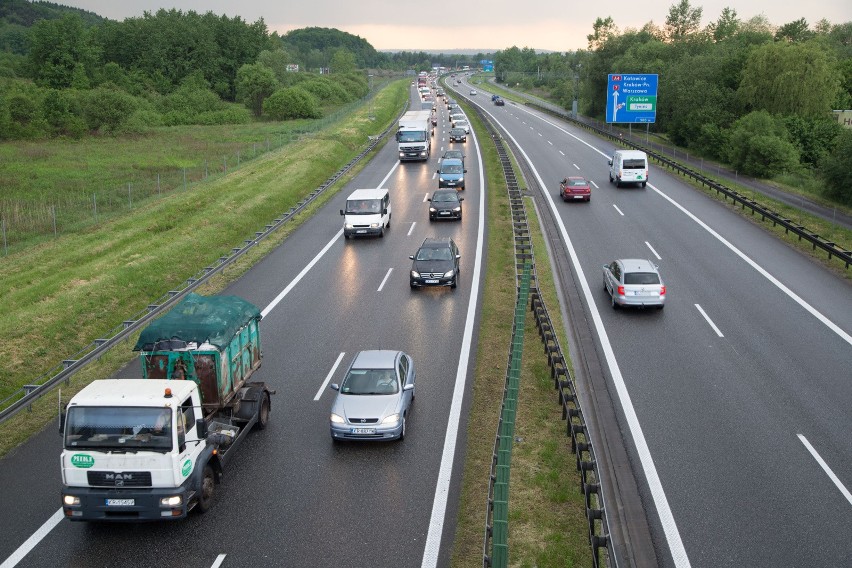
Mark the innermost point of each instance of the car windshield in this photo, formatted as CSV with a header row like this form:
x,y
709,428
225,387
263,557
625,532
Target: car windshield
x,y
641,278
119,428
370,381
363,206
451,169
445,197
456,131
453,154
412,136
434,254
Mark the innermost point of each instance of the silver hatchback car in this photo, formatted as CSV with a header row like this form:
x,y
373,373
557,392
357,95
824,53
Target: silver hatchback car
x,y
634,282
375,397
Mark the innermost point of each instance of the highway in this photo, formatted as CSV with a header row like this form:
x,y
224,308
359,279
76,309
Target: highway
x,y
292,497
734,399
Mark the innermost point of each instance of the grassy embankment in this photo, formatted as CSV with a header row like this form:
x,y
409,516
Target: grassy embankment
x,y
547,524
61,295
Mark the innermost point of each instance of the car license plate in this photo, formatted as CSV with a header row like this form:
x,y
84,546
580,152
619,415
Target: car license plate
x,y
431,281
120,502
361,231
363,430
444,213
578,197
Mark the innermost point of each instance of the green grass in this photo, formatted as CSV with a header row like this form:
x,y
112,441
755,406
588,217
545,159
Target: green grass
x,y
546,517
60,296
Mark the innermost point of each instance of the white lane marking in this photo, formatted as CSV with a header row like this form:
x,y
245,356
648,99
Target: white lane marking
x,y
617,209
301,275
653,251
328,377
434,175
834,479
561,152
594,184
549,142
539,133
576,166
219,560
658,494
442,490
706,317
382,285
425,198
31,542
762,271
411,230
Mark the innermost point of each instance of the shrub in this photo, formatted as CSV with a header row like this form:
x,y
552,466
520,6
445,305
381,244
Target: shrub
x,y
759,146
106,109
836,168
295,102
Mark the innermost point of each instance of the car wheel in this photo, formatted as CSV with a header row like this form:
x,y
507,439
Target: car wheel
x,y
207,489
455,282
604,283
431,218
613,302
411,285
402,432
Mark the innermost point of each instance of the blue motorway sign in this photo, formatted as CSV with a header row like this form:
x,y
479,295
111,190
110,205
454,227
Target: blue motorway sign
x,y
631,97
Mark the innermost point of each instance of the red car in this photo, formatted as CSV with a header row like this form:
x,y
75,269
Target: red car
x,y
575,188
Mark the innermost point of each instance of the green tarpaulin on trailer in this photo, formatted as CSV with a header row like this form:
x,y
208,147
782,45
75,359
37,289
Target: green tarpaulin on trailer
x,y
200,319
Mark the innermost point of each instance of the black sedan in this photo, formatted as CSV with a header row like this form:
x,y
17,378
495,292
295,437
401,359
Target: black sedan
x,y
435,264
445,204
458,135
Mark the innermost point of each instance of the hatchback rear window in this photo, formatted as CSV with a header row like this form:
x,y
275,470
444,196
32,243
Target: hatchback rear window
x,y
641,278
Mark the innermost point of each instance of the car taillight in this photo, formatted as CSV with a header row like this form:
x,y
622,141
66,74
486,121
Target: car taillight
x,y
662,290
621,290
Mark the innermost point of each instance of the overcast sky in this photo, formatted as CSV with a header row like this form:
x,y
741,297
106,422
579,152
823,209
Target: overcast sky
x,y
556,25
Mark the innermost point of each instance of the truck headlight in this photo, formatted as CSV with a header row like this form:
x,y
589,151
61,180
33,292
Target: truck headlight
x,y
347,225
391,420
375,225
70,500
335,419
170,502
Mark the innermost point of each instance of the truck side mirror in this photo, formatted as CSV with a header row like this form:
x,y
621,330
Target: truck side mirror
x,y
464,171
341,212
201,428
438,170
62,419
385,211
609,162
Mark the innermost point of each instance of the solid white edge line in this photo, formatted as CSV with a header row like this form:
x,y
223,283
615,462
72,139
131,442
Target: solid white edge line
x,y
706,317
678,552
219,560
653,251
385,279
33,541
328,377
617,209
301,275
411,230
762,271
834,479
442,490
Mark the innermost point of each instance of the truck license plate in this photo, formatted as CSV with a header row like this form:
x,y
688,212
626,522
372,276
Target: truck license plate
x,y
120,502
363,430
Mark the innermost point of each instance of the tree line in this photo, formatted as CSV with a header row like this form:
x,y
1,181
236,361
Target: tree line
x,y
68,72
744,92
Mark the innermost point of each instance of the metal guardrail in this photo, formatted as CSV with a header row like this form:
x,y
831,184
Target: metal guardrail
x,y
756,208
496,519
26,395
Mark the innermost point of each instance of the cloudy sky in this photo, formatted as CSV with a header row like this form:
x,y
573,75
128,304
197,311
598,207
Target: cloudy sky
x,y
556,25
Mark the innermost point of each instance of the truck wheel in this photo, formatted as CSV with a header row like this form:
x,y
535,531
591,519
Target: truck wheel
x,y
207,489
263,413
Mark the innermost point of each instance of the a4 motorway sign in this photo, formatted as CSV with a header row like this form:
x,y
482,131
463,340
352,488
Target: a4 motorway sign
x,y
631,97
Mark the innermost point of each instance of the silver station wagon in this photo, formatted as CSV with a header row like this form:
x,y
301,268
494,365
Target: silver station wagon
x,y
634,282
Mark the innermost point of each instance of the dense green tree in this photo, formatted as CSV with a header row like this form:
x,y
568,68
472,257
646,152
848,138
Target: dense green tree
x,y
797,30
602,30
726,26
277,60
62,111
682,21
813,135
836,168
343,61
57,48
254,83
797,78
759,145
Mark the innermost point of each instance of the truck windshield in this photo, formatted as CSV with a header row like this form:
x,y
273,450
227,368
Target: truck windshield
x,y
119,428
412,136
363,206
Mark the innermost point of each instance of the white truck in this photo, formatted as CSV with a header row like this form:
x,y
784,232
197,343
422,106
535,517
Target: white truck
x,y
414,135
155,448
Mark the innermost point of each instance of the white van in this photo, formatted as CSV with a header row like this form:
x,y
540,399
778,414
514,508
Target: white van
x,y
628,166
367,212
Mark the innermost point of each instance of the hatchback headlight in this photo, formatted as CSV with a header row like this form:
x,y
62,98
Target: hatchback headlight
x,y
391,420
432,210
457,209
335,419
441,179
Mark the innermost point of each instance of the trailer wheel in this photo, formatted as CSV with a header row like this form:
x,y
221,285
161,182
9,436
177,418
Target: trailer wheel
x,y
207,489
263,412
